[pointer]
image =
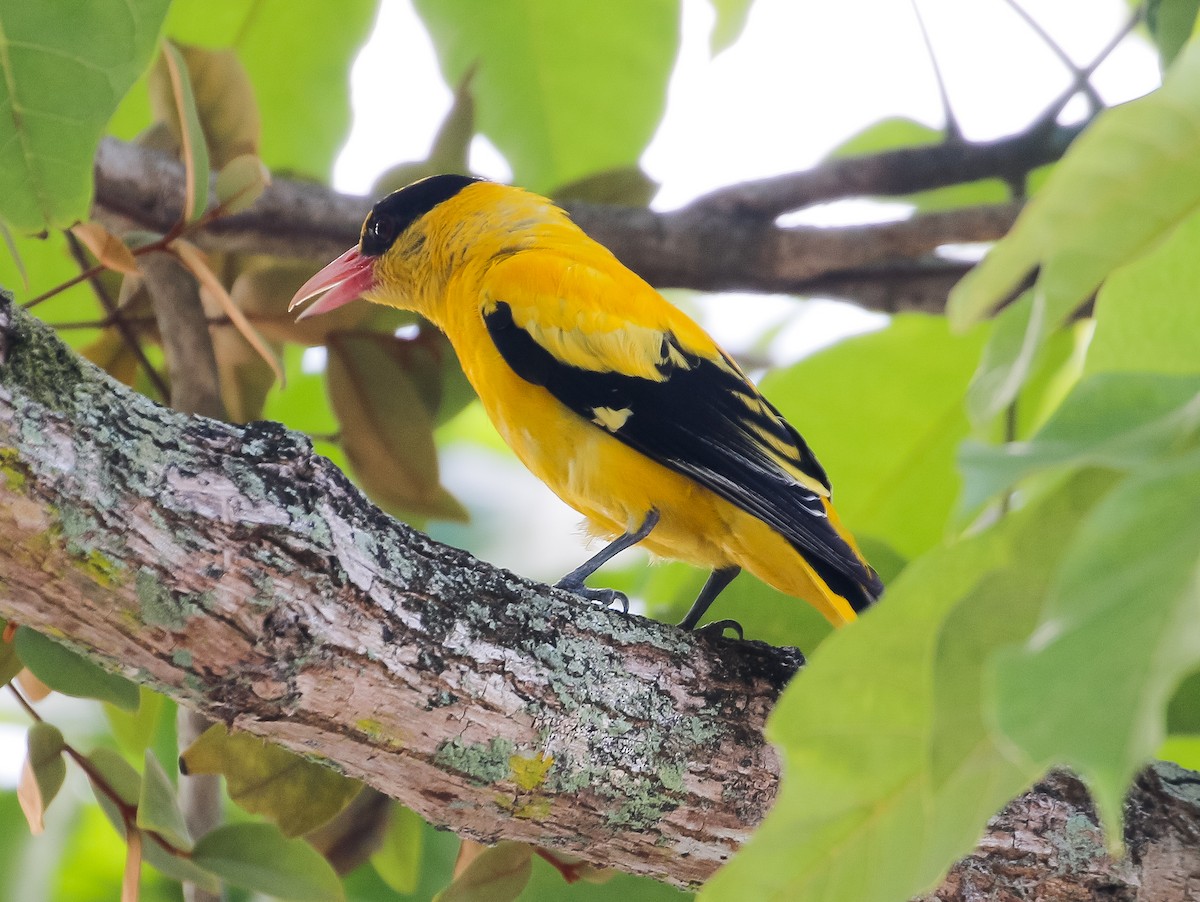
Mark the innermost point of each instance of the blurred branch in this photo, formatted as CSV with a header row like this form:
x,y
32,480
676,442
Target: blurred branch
x,y
243,575
704,246
894,173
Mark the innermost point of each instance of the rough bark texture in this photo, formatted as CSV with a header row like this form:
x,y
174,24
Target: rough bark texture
x,y
246,576
233,569
1047,846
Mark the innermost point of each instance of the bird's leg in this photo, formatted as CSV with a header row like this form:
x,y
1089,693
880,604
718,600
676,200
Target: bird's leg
x,y
573,581
717,581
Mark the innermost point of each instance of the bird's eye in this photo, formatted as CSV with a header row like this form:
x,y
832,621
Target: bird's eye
x,y
383,229
379,234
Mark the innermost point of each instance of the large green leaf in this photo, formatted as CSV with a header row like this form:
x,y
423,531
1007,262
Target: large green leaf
x,y
65,68
120,777
564,90
884,414
1147,317
1118,636
298,55
1119,421
891,770
496,874
71,674
398,858
1121,187
259,857
1171,24
297,794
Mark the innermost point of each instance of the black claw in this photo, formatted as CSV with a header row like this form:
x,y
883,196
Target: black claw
x,y
605,597
717,628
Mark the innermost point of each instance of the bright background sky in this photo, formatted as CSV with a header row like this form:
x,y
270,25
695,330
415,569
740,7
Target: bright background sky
x,y
802,78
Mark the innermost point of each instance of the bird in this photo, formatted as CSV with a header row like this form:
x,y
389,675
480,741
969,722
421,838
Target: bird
x,y
612,396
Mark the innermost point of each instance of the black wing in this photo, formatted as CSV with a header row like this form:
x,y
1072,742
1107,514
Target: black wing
x,y
706,421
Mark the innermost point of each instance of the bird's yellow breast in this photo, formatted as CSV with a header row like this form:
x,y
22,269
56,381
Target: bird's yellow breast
x,y
504,250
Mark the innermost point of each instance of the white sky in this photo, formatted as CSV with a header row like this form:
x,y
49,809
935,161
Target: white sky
x,y
803,77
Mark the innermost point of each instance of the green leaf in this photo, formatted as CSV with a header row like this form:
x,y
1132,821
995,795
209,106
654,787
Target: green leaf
x,y
1124,185
1117,637
300,74
1146,315
451,146
1183,713
730,22
1171,23
241,182
179,107
497,874
127,783
628,186
891,771
398,858
296,794
1183,750
563,90
71,674
43,773
134,730
1008,358
1116,420
385,391
884,414
260,858
65,68
158,806
222,108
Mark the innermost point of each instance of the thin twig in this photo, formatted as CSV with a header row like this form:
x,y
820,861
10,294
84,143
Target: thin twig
x,y
128,335
1081,80
97,779
953,131
1084,74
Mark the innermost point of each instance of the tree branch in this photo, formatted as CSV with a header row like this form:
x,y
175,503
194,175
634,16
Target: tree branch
x,y
898,172
246,577
703,247
235,570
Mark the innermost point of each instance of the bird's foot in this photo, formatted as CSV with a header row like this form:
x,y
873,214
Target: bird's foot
x,y
603,597
716,629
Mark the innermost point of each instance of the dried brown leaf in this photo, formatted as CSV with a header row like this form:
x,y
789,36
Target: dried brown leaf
x,y
106,247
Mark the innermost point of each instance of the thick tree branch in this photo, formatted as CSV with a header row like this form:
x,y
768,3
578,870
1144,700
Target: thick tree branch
x,y
700,247
238,572
245,576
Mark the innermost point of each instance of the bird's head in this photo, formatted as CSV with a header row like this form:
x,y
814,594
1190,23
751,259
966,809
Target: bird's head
x,y
394,259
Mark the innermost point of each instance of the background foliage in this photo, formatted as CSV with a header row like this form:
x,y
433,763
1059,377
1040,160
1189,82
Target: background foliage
x,y
1025,471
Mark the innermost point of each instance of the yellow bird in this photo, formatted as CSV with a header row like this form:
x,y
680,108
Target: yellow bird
x,y
614,398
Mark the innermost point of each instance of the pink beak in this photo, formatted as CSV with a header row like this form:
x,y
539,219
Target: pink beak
x,y
345,280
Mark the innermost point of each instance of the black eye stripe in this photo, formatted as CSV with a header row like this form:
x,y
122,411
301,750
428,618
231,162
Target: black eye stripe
x,y
400,209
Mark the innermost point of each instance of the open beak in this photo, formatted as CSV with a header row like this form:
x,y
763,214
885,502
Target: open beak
x,y
343,280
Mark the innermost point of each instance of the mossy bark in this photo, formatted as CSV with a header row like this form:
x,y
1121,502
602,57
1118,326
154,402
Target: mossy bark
x,y
235,570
